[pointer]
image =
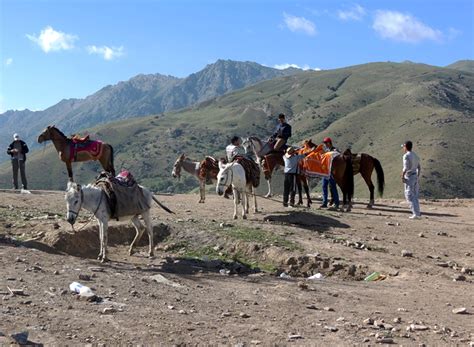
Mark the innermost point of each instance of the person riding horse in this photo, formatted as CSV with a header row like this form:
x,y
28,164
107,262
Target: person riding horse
x,y
281,135
234,152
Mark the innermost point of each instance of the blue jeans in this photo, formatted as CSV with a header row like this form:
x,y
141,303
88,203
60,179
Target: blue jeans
x,y
334,194
412,192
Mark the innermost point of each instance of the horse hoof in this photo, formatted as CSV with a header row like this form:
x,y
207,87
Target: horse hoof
x,y
370,206
235,217
104,260
244,217
268,196
151,255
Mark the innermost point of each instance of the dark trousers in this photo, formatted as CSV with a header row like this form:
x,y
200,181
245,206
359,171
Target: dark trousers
x,y
289,186
19,164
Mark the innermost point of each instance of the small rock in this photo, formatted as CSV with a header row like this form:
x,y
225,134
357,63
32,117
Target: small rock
x,y
225,314
387,326
109,310
295,337
385,340
331,328
291,261
459,278
406,253
55,272
369,321
312,307
302,285
182,312
460,310
417,327
421,235
397,320
170,307
340,319
442,264
379,324
244,315
255,342
84,277
329,309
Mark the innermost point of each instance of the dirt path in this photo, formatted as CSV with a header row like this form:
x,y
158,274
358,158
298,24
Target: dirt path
x,y
216,292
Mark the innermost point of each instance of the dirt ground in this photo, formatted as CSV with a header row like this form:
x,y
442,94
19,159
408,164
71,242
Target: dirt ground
x,y
223,281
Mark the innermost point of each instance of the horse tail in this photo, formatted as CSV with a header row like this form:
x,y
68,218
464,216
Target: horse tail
x,y
161,205
380,175
112,159
349,176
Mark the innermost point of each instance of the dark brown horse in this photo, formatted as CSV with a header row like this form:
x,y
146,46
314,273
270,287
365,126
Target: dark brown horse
x,y
365,164
70,150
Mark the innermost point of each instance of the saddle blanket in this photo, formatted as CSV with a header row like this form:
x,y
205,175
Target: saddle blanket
x,y
252,170
318,164
124,195
208,169
94,148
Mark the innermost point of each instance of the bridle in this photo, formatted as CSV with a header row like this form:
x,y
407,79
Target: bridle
x,y
80,206
226,184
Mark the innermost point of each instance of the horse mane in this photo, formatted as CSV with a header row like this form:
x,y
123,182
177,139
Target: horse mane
x,y
59,131
256,139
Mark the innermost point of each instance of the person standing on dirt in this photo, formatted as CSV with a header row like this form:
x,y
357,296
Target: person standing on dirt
x,y
281,134
291,160
410,178
17,151
328,147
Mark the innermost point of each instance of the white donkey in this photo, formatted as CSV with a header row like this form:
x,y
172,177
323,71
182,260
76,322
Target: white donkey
x,y
94,200
234,174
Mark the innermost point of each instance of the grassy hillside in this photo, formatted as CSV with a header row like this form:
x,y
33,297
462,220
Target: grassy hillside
x,y
371,108
463,65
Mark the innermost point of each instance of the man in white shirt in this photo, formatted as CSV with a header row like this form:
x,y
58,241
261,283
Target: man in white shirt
x,y
234,149
410,175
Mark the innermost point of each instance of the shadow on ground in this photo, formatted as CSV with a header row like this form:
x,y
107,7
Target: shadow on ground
x,y
306,220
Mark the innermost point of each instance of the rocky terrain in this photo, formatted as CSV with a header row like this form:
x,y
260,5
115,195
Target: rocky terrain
x,y
214,280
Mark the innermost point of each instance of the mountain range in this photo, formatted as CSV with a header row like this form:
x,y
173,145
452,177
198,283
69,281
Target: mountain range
x,y
139,96
369,108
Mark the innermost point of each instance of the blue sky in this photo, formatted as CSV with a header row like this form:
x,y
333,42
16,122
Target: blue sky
x,y
51,50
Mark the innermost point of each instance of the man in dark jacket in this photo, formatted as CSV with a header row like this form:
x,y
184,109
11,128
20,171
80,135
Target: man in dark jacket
x,y
282,133
17,151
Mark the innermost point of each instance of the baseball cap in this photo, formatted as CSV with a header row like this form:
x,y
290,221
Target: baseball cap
x,y
16,136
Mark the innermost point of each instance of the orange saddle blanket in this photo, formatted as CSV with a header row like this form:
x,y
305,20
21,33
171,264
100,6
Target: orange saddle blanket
x,y
318,164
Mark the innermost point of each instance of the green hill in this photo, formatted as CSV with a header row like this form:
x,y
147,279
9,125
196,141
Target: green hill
x,y
371,108
463,65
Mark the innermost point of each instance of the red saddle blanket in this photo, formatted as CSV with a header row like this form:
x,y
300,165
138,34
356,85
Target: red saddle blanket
x,y
94,148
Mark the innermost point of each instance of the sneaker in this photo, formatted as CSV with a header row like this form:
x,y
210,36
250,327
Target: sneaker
x,y
414,217
285,205
323,206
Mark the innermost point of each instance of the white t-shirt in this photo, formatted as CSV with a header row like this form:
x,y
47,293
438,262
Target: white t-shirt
x,y
232,150
411,164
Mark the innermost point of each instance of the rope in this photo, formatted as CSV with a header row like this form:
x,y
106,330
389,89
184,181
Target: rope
x,y
93,215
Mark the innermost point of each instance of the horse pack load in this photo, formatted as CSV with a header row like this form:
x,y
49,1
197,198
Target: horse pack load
x,y
124,195
85,144
252,170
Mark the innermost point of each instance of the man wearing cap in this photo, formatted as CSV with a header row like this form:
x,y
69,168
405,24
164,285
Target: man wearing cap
x,y
233,149
17,151
291,160
281,134
328,147
410,175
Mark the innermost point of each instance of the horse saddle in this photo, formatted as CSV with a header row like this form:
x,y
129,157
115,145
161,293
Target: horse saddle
x,y
80,139
252,171
125,197
208,169
356,158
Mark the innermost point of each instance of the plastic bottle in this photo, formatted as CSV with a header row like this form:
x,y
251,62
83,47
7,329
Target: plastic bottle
x,y
372,277
78,288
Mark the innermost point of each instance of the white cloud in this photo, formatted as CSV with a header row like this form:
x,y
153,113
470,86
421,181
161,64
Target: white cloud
x,y
286,66
108,53
403,27
299,24
51,40
357,12
8,61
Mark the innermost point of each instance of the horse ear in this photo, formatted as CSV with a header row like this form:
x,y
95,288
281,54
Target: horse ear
x,y
182,156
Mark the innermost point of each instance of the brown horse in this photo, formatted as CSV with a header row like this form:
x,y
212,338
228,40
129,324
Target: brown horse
x,y
365,164
272,161
69,150
205,171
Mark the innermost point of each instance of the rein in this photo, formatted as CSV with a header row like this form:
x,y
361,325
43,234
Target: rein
x,y
93,215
